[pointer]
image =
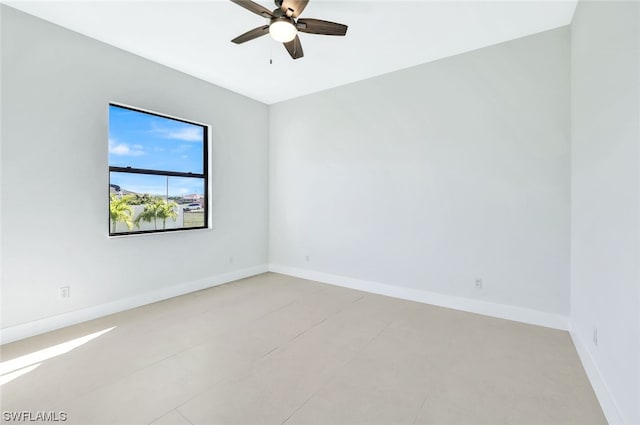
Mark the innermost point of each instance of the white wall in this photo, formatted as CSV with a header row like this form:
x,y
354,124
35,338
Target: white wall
x,y
430,177
57,85
605,216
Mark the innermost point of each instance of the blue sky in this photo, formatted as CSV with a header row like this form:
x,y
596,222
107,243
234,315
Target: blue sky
x,y
140,140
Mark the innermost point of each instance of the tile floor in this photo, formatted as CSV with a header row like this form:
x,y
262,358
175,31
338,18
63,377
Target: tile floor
x,y
274,349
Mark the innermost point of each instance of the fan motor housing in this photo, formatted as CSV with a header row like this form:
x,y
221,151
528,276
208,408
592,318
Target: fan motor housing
x,y
284,24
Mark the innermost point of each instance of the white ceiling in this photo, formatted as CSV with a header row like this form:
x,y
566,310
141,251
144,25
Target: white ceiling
x,y
383,36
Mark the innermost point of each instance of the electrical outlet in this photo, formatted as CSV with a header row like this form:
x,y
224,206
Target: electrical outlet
x,y
595,336
478,283
306,258
230,260
64,292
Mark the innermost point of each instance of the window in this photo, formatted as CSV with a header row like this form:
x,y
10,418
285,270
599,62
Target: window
x,y
158,172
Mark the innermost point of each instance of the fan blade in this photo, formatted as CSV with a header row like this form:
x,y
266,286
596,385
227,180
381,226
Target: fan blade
x,y
294,47
254,7
250,35
317,26
295,6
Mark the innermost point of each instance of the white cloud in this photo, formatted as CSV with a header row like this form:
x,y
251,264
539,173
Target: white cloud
x,y
122,149
188,134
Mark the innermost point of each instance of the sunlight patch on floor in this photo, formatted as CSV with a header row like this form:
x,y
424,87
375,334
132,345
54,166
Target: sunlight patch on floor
x,y
12,369
8,377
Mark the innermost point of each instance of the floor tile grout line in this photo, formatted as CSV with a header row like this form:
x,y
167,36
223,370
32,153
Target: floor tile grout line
x,y
160,416
294,301
125,376
193,346
256,362
275,310
182,414
303,403
319,387
176,353
166,413
254,365
287,343
147,366
209,387
364,347
190,347
268,352
358,299
419,410
335,372
121,378
315,325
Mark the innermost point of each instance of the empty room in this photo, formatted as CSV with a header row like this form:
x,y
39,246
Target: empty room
x,y
320,212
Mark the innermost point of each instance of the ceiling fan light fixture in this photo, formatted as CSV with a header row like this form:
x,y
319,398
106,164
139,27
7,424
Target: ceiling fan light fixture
x,y
284,24
282,30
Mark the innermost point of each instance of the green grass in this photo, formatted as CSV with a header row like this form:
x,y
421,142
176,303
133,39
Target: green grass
x,y
193,219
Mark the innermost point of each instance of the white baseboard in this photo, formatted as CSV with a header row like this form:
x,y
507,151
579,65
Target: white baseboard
x,y
518,314
25,330
607,401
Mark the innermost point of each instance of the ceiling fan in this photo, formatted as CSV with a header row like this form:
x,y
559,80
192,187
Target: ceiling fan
x,y
284,24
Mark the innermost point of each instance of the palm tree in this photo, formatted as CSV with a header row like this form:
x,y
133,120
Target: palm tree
x,y
120,210
167,210
145,198
158,208
150,213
